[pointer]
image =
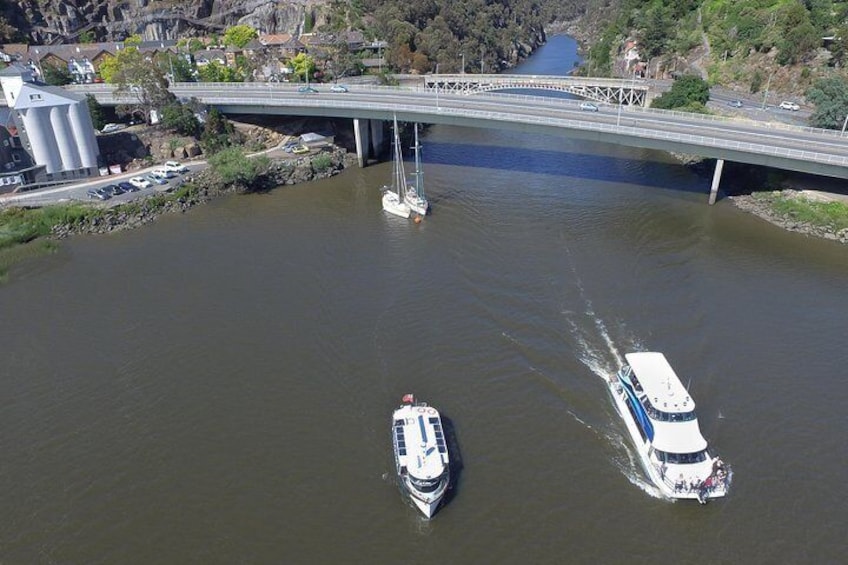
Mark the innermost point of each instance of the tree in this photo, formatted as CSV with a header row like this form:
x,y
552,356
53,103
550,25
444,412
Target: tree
x,y
239,35
685,91
57,75
180,118
138,78
830,95
303,66
217,133
233,167
95,110
176,65
216,72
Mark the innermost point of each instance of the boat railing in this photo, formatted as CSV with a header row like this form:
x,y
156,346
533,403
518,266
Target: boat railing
x,y
717,481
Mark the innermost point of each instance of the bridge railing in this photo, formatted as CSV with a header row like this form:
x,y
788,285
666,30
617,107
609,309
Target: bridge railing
x,y
190,88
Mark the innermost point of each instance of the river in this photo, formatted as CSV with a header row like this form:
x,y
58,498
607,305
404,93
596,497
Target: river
x,y
217,387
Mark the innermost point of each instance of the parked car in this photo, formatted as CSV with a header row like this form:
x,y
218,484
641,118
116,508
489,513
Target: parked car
x,y
98,193
338,88
163,173
175,167
300,149
112,189
109,128
126,187
787,105
588,106
735,103
307,90
139,182
153,179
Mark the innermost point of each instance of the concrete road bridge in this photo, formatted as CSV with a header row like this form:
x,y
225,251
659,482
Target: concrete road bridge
x,y
605,90
803,149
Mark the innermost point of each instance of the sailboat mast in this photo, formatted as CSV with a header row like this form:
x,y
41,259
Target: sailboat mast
x,y
419,184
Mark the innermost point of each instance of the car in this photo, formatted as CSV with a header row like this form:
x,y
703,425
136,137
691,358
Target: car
x,y
787,105
307,90
140,182
153,179
163,173
98,193
338,88
175,167
109,128
300,149
588,106
735,103
124,186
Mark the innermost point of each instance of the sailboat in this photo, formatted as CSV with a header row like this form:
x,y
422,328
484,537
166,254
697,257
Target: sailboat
x,y
394,196
415,198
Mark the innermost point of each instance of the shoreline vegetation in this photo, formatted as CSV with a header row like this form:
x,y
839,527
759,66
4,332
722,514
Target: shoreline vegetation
x,y
31,231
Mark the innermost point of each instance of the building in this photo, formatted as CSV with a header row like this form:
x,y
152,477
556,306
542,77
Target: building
x,y
53,126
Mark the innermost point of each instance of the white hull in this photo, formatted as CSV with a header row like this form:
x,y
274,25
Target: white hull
x,y
393,205
666,480
416,204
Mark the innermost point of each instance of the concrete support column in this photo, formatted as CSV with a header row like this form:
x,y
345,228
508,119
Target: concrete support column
x,y
377,137
716,179
362,134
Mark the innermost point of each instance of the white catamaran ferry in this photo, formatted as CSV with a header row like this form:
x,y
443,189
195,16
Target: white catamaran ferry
x,y
421,454
660,416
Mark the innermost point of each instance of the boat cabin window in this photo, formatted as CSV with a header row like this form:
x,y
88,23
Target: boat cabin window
x,y
425,485
661,416
681,458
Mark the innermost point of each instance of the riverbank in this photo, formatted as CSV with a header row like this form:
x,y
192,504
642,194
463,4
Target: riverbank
x,y
27,232
810,212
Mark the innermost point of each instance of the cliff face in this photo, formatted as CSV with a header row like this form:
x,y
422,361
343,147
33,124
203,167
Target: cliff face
x,y
47,21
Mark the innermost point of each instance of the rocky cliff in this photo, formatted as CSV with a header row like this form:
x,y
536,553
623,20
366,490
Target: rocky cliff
x,y
54,21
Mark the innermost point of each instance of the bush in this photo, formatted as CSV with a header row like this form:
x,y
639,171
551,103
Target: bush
x,y
685,90
233,167
321,163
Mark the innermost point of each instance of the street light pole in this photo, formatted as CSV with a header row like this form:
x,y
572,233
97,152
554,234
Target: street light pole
x,y
437,86
845,123
463,63
765,96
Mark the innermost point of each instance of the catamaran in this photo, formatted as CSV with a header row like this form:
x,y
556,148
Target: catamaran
x,y
394,195
415,198
421,454
660,417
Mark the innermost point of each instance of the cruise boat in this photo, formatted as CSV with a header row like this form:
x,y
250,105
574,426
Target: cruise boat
x,y
421,454
660,416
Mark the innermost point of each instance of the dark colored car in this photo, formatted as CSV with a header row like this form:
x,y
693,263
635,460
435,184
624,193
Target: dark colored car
x,y
307,89
98,193
126,187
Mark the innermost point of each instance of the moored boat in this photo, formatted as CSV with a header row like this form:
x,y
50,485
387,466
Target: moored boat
x,y
660,417
415,198
421,454
394,195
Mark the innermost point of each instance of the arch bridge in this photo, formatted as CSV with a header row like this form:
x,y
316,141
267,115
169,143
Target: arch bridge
x,y
629,92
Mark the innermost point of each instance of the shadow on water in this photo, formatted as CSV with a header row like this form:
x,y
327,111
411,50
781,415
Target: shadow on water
x,y
455,458
563,164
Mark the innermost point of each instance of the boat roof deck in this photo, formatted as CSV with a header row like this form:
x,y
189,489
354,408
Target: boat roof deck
x,y
660,382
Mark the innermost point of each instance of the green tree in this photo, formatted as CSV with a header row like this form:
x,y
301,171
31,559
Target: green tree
x,y
87,37
137,78
180,118
56,75
830,95
685,91
303,66
169,63
217,134
233,167
215,72
239,35
95,110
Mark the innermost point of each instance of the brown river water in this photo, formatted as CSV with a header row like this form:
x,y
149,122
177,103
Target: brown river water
x,y
217,387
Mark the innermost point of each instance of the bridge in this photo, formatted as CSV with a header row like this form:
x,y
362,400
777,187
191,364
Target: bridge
x,y
808,150
605,90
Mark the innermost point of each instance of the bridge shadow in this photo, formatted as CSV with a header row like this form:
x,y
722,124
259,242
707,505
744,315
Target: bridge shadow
x,y
593,166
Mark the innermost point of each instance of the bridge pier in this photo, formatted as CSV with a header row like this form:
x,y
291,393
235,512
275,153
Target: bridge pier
x,y
716,179
369,139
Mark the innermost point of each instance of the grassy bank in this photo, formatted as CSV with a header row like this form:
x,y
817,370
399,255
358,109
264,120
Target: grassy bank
x,y
832,215
24,231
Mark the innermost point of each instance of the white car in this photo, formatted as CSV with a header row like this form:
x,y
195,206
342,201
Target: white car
x,y
787,105
588,107
163,173
175,166
140,182
109,128
338,88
